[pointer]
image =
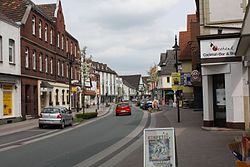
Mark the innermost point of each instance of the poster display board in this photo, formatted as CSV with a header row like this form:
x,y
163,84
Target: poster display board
x,y
159,147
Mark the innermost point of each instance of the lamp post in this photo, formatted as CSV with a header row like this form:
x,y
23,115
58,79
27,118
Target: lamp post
x,y
70,58
176,48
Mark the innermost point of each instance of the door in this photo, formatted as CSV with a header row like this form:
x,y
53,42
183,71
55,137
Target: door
x,y
219,100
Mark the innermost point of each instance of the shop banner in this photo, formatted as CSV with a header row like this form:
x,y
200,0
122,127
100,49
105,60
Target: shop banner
x,y
176,81
7,103
159,147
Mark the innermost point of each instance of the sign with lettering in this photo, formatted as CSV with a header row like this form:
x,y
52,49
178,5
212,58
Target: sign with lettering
x,y
216,48
159,147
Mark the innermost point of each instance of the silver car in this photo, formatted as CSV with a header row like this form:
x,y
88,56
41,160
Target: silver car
x,y
56,115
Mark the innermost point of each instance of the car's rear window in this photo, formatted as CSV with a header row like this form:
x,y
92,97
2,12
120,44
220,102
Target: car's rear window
x,y
122,105
51,110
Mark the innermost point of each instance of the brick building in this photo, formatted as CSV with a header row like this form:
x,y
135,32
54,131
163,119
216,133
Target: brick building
x,y
48,52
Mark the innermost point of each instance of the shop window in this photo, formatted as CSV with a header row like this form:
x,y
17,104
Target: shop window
x,y
11,51
7,100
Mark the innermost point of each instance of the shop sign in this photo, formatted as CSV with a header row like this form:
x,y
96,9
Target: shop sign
x,y
176,81
74,89
217,48
195,76
159,147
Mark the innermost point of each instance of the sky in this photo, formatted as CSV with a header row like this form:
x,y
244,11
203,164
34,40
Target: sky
x,y
127,35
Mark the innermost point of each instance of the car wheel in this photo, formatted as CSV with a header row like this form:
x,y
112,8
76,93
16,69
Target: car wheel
x,y
62,125
40,126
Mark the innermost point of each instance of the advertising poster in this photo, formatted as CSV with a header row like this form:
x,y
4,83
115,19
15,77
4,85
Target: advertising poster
x,y
7,102
221,97
159,147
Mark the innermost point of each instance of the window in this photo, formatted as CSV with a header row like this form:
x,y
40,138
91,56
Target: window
x,y
46,32
41,62
67,71
1,49
57,102
75,50
51,66
62,42
58,68
168,79
11,51
51,36
34,59
58,40
26,58
46,64
71,48
40,29
34,25
67,96
62,69
67,45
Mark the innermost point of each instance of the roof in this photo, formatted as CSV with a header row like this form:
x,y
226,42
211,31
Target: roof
x,y
145,79
17,8
48,9
133,80
7,20
169,61
102,67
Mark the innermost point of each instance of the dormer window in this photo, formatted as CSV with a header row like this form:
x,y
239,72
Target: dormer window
x,y
34,25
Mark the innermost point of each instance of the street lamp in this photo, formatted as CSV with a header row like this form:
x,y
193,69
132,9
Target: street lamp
x,y
176,48
71,60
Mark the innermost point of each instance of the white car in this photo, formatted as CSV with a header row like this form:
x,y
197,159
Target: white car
x,y
56,115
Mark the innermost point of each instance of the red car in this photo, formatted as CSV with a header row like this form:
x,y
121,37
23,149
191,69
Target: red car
x,y
123,108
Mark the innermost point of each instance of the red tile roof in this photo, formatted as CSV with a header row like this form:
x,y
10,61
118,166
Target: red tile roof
x,y
48,9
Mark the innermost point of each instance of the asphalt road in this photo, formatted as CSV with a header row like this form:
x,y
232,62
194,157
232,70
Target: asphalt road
x,y
73,146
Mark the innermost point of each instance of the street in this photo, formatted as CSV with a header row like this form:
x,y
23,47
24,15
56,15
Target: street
x,y
74,145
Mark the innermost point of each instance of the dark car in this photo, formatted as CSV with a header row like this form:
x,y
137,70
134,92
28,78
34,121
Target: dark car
x,y
123,108
146,105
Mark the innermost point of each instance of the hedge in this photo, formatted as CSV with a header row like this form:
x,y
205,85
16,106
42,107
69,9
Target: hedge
x,y
87,115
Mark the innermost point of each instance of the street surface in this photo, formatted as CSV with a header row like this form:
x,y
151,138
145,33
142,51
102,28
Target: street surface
x,y
71,146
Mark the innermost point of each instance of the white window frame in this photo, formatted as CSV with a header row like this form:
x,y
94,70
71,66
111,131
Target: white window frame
x,y
51,36
34,59
58,40
41,62
67,71
26,58
58,68
62,42
46,32
67,45
34,25
46,64
62,69
40,29
51,66
11,51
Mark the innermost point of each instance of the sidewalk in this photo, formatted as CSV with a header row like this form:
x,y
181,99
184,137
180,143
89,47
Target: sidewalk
x,y
195,146
32,123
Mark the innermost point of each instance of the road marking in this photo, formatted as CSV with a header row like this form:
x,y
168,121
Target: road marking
x,y
101,155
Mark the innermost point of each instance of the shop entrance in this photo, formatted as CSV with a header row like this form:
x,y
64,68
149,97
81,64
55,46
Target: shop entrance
x,y
219,100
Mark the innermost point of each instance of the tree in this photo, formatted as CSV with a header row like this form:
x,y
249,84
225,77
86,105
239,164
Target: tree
x,y
153,77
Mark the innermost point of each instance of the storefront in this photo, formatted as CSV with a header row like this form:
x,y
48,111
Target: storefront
x,y
10,99
222,81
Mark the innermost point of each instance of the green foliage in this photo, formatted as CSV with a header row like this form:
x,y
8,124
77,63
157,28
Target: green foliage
x,y
87,115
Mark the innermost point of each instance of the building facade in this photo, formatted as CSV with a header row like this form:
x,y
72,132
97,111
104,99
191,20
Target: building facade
x,y
10,71
222,71
49,56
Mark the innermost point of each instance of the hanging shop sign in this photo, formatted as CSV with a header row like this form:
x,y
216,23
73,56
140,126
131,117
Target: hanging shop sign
x,y
195,76
217,48
159,147
176,81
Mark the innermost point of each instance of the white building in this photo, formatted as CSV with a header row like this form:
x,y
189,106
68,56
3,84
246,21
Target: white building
x,y
10,71
224,88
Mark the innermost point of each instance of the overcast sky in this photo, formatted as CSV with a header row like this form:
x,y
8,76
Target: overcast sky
x,y
127,35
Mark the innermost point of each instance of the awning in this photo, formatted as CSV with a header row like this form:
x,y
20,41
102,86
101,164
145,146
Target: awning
x,y
45,84
89,92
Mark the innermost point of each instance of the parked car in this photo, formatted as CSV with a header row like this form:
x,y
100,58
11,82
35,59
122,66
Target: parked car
x,y
142,103
57,116
146,105
123,108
